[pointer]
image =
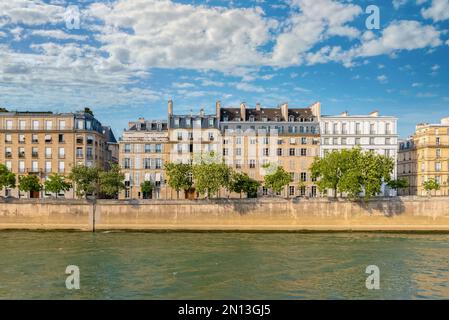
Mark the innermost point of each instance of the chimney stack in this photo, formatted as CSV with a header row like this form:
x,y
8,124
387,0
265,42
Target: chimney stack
x,y
316,110
218,108
243,111
170,107
202,112
258,106
284,111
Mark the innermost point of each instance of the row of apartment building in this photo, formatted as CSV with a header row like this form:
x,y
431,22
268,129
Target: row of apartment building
x,y
245,137
43,143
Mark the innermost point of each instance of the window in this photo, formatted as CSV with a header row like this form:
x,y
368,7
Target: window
x,y
303,140
387,128
387,141
34,138
438,166
61,138
343,141
127,148
158,148
47,152
126,163
8,138
89,140
326,127
335,128
89,153
35,125
61,124
34,166
279,151
21,166
344,128
47,166
147,148
238,140
335,141
61,153
21,138
357,141
252,164
303,176
357,128
266,152
438,153
9,124
80,124
211,122
8,152
21,153
176,122
238,164
238,151
8,165
303,152
48,138
158,163
48,124
79,152
291,151
371,128
291,190
34,152
438,141
252,141
371,141
61,166
326,141
22,124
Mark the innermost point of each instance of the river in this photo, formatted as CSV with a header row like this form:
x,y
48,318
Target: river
x,y
177,265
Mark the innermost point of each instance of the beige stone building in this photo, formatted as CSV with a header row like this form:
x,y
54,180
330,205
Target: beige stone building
x,y
143,151
43,143
425,156
288,137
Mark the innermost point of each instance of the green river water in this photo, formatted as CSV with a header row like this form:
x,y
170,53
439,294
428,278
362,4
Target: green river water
x,y
172,265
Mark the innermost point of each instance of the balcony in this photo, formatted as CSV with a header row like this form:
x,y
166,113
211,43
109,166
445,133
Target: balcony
x,y
61,156
48,156
34,154
79,155
34,170
21,154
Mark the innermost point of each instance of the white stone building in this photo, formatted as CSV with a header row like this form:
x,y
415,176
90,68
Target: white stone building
x,y
370,132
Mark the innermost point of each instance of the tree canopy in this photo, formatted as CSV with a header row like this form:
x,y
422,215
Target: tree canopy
x,y
277,179
85,180
7,178
179,176
111,181
29,183
56,183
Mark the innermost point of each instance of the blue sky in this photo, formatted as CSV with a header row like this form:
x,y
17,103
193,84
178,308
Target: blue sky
x,y
126,58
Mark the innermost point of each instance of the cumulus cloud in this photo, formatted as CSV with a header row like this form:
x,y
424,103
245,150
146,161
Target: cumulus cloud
x,y
315,21
382,78
57,34
438,11
401,35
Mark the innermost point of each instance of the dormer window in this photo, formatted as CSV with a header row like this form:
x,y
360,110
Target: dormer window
x,y
264,119
225,118
251,118
291,118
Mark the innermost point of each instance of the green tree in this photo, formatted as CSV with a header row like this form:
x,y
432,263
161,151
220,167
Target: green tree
x,y
29,183
179,176
111,181
431,184
277,179
398,184
89,111
85,180
7,178
56,183
146,188
209,177
241,182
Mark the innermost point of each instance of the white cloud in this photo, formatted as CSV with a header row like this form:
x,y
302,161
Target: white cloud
x,y
399,3
382,78
57,34
401,35
416,84
317,20
183,85
34,12
166,34
244,86
438,11
210,83
435,67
